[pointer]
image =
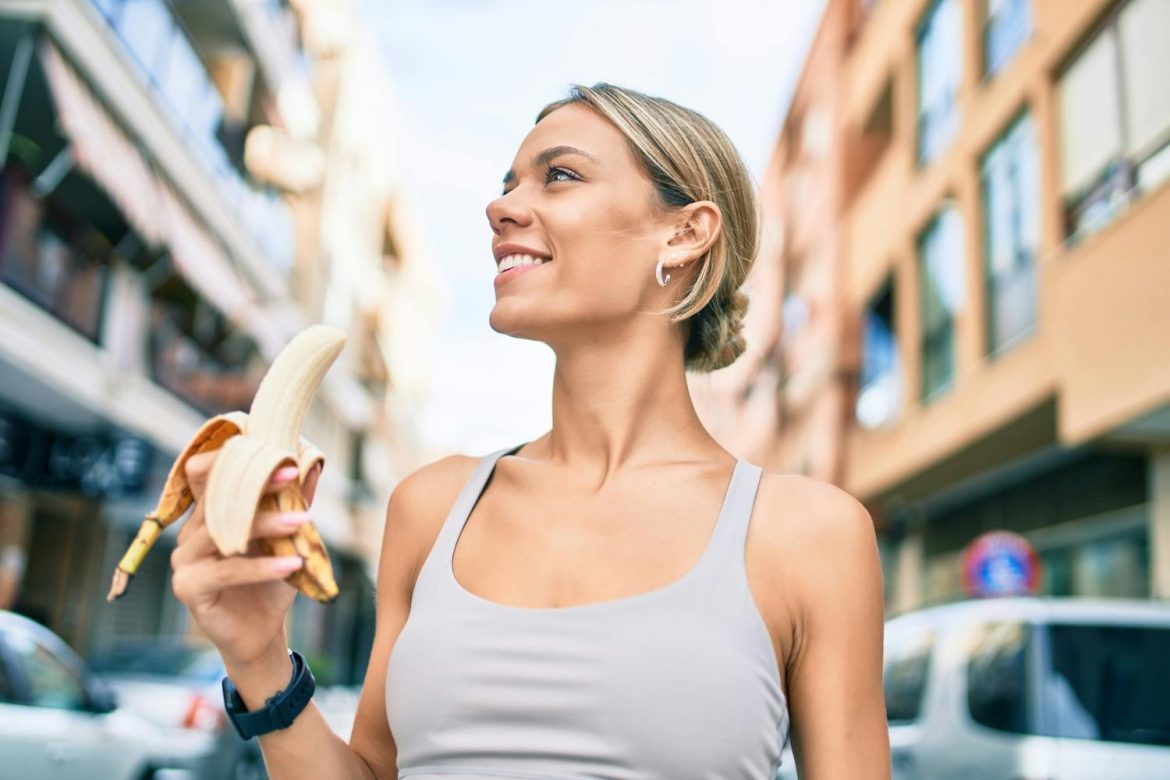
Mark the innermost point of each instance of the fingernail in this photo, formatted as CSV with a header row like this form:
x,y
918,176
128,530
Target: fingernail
x,y
293,519
287,563
284,474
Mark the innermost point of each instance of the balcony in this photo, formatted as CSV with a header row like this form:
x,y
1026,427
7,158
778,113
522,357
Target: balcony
x,y
160,52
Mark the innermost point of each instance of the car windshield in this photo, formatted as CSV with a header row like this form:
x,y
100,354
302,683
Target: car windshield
x,y
1109,683
168,660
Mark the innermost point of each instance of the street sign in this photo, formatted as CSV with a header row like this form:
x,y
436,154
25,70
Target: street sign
x,y
1000,563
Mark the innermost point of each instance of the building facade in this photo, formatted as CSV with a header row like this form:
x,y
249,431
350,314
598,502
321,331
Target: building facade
x,y
150,271
996,286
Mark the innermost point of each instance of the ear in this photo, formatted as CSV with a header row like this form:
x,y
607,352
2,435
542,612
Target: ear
x,y
699,226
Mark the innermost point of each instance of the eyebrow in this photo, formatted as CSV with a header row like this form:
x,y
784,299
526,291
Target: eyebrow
x,y
547,156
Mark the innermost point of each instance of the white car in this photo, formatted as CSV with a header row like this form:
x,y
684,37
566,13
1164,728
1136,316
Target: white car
x,y
60,722
175,684
1028,689
1051,689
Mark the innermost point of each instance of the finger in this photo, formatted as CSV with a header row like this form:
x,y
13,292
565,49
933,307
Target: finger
x,y
198,471
191,524
309,488
197,467
200,582
197,545
277,524
281,478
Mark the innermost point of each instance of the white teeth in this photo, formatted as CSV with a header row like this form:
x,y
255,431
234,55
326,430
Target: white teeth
x,y
511,261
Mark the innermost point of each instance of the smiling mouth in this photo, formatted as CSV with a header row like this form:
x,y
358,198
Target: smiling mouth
x,y
508,262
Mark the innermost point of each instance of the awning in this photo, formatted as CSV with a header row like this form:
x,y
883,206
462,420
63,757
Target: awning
x,y
107,154
101,149
199,259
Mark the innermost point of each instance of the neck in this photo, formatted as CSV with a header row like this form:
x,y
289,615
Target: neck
x,y
623,402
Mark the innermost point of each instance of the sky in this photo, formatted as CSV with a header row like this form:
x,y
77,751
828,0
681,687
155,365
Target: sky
x,y
468,78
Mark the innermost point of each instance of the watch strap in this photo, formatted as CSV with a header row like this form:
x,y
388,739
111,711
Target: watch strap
x,y
279,711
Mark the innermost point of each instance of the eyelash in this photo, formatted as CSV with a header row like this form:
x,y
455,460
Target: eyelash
x,y
549,170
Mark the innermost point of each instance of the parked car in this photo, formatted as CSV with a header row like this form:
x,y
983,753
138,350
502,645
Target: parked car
x,y
1060,689
60,722
175,683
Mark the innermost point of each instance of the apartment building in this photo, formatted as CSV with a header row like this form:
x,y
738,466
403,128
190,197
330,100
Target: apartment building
x,y
162,164
967,283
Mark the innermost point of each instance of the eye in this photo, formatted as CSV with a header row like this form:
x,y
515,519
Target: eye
x,y
552,170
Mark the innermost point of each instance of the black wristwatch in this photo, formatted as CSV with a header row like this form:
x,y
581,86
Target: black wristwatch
x,y
279,711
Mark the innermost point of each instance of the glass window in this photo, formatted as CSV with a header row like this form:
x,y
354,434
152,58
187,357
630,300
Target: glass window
x,y
940,267
51,682
940,66
147,29
1115,116
905,674
1108,683
1008,24
880,392
997,678
1011,213
1143,26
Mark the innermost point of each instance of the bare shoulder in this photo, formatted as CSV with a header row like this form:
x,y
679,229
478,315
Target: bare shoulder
x,y
820,538
417,508
793,508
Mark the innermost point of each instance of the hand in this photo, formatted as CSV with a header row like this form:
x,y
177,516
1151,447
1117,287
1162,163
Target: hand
x,y
239,601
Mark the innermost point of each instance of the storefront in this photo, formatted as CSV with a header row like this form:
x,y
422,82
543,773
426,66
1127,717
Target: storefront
x,y
1085,513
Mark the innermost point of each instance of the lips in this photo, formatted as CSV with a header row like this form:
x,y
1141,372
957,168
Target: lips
x,y
504,250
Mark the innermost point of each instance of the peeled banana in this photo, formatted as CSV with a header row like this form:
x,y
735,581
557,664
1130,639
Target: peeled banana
x,y
252,446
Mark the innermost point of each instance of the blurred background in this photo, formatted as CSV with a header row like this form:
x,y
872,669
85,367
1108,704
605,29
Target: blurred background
x,y
960,314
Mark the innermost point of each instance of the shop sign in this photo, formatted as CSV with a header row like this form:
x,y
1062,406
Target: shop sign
x,y
1000,563
94,464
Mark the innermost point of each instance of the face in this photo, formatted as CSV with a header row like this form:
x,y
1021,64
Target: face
x,y
577,196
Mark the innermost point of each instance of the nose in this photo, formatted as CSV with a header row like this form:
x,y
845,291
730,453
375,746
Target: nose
x,y
508,208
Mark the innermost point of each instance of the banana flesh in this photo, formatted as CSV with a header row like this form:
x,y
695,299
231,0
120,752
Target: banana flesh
x,y
252,446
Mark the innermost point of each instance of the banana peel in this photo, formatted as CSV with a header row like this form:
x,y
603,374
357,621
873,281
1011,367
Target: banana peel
x,y
251,447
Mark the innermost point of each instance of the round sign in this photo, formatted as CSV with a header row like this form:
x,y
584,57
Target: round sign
x,y
1000,563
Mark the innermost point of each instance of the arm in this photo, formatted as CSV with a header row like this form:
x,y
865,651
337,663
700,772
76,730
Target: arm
x,y
308,748
835,668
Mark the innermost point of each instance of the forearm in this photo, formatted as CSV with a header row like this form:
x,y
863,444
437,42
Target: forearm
x,y
306,749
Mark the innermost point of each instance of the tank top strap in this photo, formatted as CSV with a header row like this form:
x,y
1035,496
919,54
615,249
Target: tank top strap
x,y
730,535
444,547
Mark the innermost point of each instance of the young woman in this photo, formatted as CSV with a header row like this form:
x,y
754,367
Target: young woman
x,y
595,603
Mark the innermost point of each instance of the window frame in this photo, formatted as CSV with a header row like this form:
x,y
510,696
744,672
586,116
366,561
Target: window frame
x,y
932,340
992,281
1116,186
923,154
992,67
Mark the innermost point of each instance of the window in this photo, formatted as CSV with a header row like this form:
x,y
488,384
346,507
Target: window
x,y
880,393
1108,683
50,682
997,677
940,271
905,674
1008,24
42,257
1011,214
1115,116
940,67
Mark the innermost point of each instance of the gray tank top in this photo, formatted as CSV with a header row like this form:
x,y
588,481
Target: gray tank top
x,y
677,682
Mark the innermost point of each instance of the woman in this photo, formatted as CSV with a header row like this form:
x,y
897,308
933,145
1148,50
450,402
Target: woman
x,y
594,603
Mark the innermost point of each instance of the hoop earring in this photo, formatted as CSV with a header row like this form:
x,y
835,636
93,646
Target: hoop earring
x,y
662,281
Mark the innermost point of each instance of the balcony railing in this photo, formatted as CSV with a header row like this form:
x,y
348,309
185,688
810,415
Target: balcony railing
x,y
164,58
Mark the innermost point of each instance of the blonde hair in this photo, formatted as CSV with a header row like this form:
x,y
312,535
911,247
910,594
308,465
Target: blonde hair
x,y
688,158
